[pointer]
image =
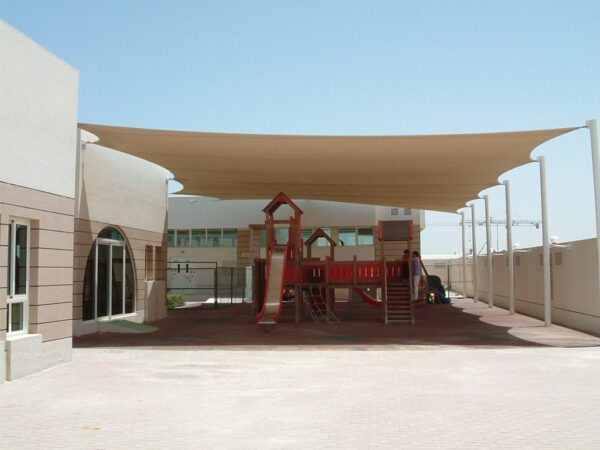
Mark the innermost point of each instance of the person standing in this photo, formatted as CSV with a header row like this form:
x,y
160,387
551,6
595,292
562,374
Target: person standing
x,y
416,274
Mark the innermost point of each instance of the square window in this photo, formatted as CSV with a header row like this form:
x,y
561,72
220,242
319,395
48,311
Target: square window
x,y
230,237
365,236
149,262
16,319
183,238
198,238
347,236
322,242
407,211
17,297
306,233
282,235
214,237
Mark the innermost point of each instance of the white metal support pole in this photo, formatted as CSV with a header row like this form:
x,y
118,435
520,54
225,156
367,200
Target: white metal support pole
x,y
488,237
509,245
546,241
464,253
593,126
475,286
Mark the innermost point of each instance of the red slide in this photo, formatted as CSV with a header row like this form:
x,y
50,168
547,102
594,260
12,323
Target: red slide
x,y
368,299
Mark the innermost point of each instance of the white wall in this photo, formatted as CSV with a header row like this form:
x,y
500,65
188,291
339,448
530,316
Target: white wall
x,y
38,116
575,293
121,189
200,212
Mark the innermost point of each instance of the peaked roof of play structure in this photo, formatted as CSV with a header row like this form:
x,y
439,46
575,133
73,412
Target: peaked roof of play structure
x,y
437,172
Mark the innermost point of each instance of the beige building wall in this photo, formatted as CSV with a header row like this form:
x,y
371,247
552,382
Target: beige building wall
x,y
127,193
38,133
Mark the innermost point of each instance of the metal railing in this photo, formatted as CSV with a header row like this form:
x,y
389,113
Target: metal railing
x,y
205,282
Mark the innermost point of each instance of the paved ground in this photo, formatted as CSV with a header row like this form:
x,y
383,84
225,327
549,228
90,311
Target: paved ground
x,y
535,390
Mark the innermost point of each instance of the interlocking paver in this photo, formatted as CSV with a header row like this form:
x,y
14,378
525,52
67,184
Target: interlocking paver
x,y
394,395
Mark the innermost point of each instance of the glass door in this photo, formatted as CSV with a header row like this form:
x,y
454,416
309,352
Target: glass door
x,y
110,278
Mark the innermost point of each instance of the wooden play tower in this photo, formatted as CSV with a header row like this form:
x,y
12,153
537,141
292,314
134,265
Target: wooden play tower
x,y
286,273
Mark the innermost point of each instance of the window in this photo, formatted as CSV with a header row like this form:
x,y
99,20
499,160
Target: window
x,y
306,233
263,238
18,276
322,242
230,237
183,238
109,280
282,235
149,262
365,236
407,211
171,238
214,237
198,238
347,236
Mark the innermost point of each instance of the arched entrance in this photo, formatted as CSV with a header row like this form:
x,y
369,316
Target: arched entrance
x,y
109,281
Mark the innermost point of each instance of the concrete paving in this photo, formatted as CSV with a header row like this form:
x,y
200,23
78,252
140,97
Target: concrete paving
x,y
354,394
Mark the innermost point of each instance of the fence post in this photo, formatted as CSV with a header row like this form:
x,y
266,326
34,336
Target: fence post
x,y
216,287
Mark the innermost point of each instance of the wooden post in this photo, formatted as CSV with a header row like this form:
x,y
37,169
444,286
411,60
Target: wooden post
x,y
384,292
297,304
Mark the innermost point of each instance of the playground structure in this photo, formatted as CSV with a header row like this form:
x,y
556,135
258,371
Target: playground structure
x,y
286,273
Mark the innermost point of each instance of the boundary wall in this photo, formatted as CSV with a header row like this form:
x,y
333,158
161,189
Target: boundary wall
x,y
574,282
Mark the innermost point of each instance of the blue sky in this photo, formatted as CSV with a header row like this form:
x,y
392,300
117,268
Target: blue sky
x,y
328,67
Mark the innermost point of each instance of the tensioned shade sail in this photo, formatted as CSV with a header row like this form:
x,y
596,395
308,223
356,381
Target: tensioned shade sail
x,y
437,172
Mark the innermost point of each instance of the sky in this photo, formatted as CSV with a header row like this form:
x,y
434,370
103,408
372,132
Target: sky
x,y
349,67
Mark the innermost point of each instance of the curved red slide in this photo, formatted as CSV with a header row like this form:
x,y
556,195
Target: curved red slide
x,y
368,299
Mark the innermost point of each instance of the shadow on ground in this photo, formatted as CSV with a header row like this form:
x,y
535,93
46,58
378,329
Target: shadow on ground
x,y
463,324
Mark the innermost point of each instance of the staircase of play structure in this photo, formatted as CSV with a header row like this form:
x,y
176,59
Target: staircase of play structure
x,y
399,309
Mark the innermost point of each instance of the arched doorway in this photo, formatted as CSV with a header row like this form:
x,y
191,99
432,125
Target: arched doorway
x,y
109,281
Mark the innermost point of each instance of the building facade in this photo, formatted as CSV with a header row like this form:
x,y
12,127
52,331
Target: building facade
x,y
82,227
230,233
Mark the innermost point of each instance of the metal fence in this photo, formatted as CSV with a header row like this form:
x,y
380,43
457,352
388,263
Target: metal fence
x,y
206,282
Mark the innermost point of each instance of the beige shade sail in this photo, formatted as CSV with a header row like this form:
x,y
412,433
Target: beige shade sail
x,y
436,172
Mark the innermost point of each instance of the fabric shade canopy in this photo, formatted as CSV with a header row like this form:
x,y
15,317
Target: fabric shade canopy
x,y
437,172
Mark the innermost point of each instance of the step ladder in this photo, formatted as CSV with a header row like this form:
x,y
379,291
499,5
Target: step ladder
x,y
398,306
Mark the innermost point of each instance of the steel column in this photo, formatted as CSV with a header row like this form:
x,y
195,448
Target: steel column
x,y
509,245
546,241
475,284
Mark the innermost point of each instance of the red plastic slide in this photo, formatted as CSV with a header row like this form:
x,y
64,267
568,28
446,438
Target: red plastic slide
x,y
368,299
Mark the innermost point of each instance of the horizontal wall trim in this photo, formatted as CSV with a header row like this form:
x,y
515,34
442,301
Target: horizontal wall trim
x,y
58,339
49,285
52,321
51,229
576,312
37,209
49,304
124,227
39,190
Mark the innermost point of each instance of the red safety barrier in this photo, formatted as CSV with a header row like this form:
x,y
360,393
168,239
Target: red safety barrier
x,y
394,271
290,273
368,272
340,272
